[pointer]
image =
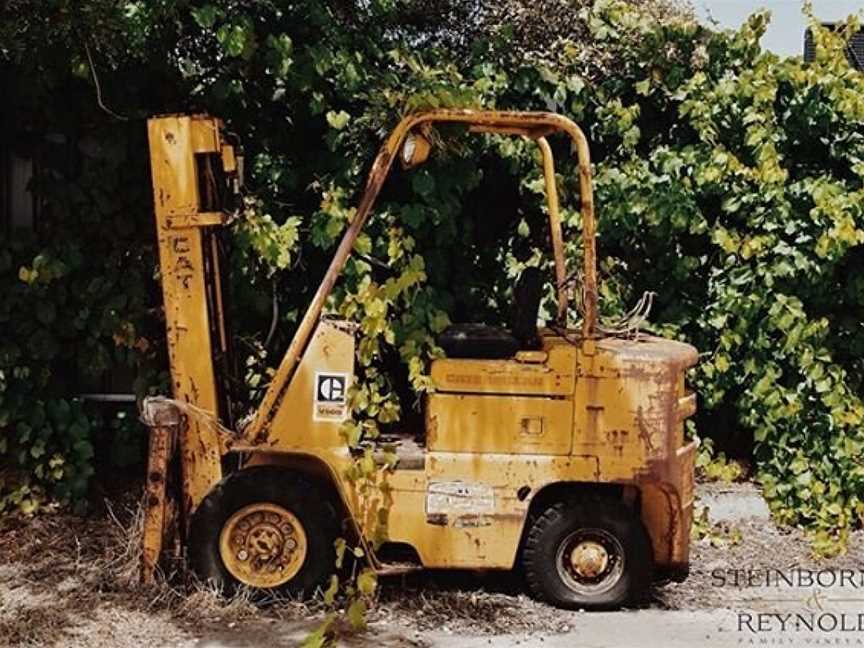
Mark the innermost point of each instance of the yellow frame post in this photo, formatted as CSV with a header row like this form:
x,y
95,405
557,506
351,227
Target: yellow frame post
x,y
555,228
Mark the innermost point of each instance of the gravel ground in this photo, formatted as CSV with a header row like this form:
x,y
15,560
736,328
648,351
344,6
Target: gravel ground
x,y
71,581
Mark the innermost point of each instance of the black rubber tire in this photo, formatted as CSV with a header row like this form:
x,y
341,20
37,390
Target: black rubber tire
x,y
552,526
303,498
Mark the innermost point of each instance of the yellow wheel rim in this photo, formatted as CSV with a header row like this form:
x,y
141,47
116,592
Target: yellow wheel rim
x,y
263,545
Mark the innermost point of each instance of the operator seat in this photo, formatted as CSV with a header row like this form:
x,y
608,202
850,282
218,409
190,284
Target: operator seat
x,y
487,342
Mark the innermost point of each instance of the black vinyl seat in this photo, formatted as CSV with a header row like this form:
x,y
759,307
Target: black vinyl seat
x,y
478,341
486,342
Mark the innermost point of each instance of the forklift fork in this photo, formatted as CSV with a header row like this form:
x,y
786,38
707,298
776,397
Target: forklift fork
x,y
161,510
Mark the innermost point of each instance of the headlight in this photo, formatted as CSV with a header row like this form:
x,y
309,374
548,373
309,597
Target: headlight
x,y
408,149
415,150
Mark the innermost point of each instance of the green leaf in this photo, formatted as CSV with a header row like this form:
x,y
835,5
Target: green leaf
x,y
423,183
319,637
340,545
357,614
207,15
367,582
338,120
37,450
234,38
332,590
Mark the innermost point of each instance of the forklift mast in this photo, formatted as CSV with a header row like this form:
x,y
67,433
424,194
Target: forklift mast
x,y
193,169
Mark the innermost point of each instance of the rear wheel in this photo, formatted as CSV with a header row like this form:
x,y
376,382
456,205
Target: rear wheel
x,y
265,528
587,554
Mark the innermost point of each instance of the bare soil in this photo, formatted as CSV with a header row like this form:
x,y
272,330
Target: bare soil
x,y
67,580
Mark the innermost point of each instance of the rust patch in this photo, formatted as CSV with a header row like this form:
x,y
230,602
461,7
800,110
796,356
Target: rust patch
x,y
472,521
509,517
432,430
161,442
617,439
644,432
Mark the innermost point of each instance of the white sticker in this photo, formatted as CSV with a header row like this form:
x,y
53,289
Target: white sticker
x,y
456,499
331,397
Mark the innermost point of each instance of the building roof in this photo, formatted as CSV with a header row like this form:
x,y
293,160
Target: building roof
x,y
854,52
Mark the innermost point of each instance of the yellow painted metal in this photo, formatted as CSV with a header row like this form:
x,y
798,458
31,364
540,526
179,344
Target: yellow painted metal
x,y
555,376
263,545
299,424
555,228
531,357
481,423
477,531
157,522
181,228
201,219
631,388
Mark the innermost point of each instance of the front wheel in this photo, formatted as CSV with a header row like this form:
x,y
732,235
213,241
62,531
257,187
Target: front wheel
x,y
592,553
265,528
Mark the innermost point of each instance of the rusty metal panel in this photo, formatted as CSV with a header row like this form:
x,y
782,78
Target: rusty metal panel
x,y
628,393
667,507
165,422
456,538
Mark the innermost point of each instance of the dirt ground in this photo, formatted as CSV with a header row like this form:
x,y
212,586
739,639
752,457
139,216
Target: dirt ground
x,y
71,581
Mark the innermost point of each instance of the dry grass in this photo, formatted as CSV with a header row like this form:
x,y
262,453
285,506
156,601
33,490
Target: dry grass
x,y
204,602
124,548
466,602
61,573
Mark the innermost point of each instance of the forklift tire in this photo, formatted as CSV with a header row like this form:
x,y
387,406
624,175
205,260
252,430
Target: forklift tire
x,y
274,519
592,554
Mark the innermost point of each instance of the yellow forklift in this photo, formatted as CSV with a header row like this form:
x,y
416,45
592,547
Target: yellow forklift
x,y
559,450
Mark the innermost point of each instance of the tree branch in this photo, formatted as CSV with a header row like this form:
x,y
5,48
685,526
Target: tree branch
x,y
99,87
